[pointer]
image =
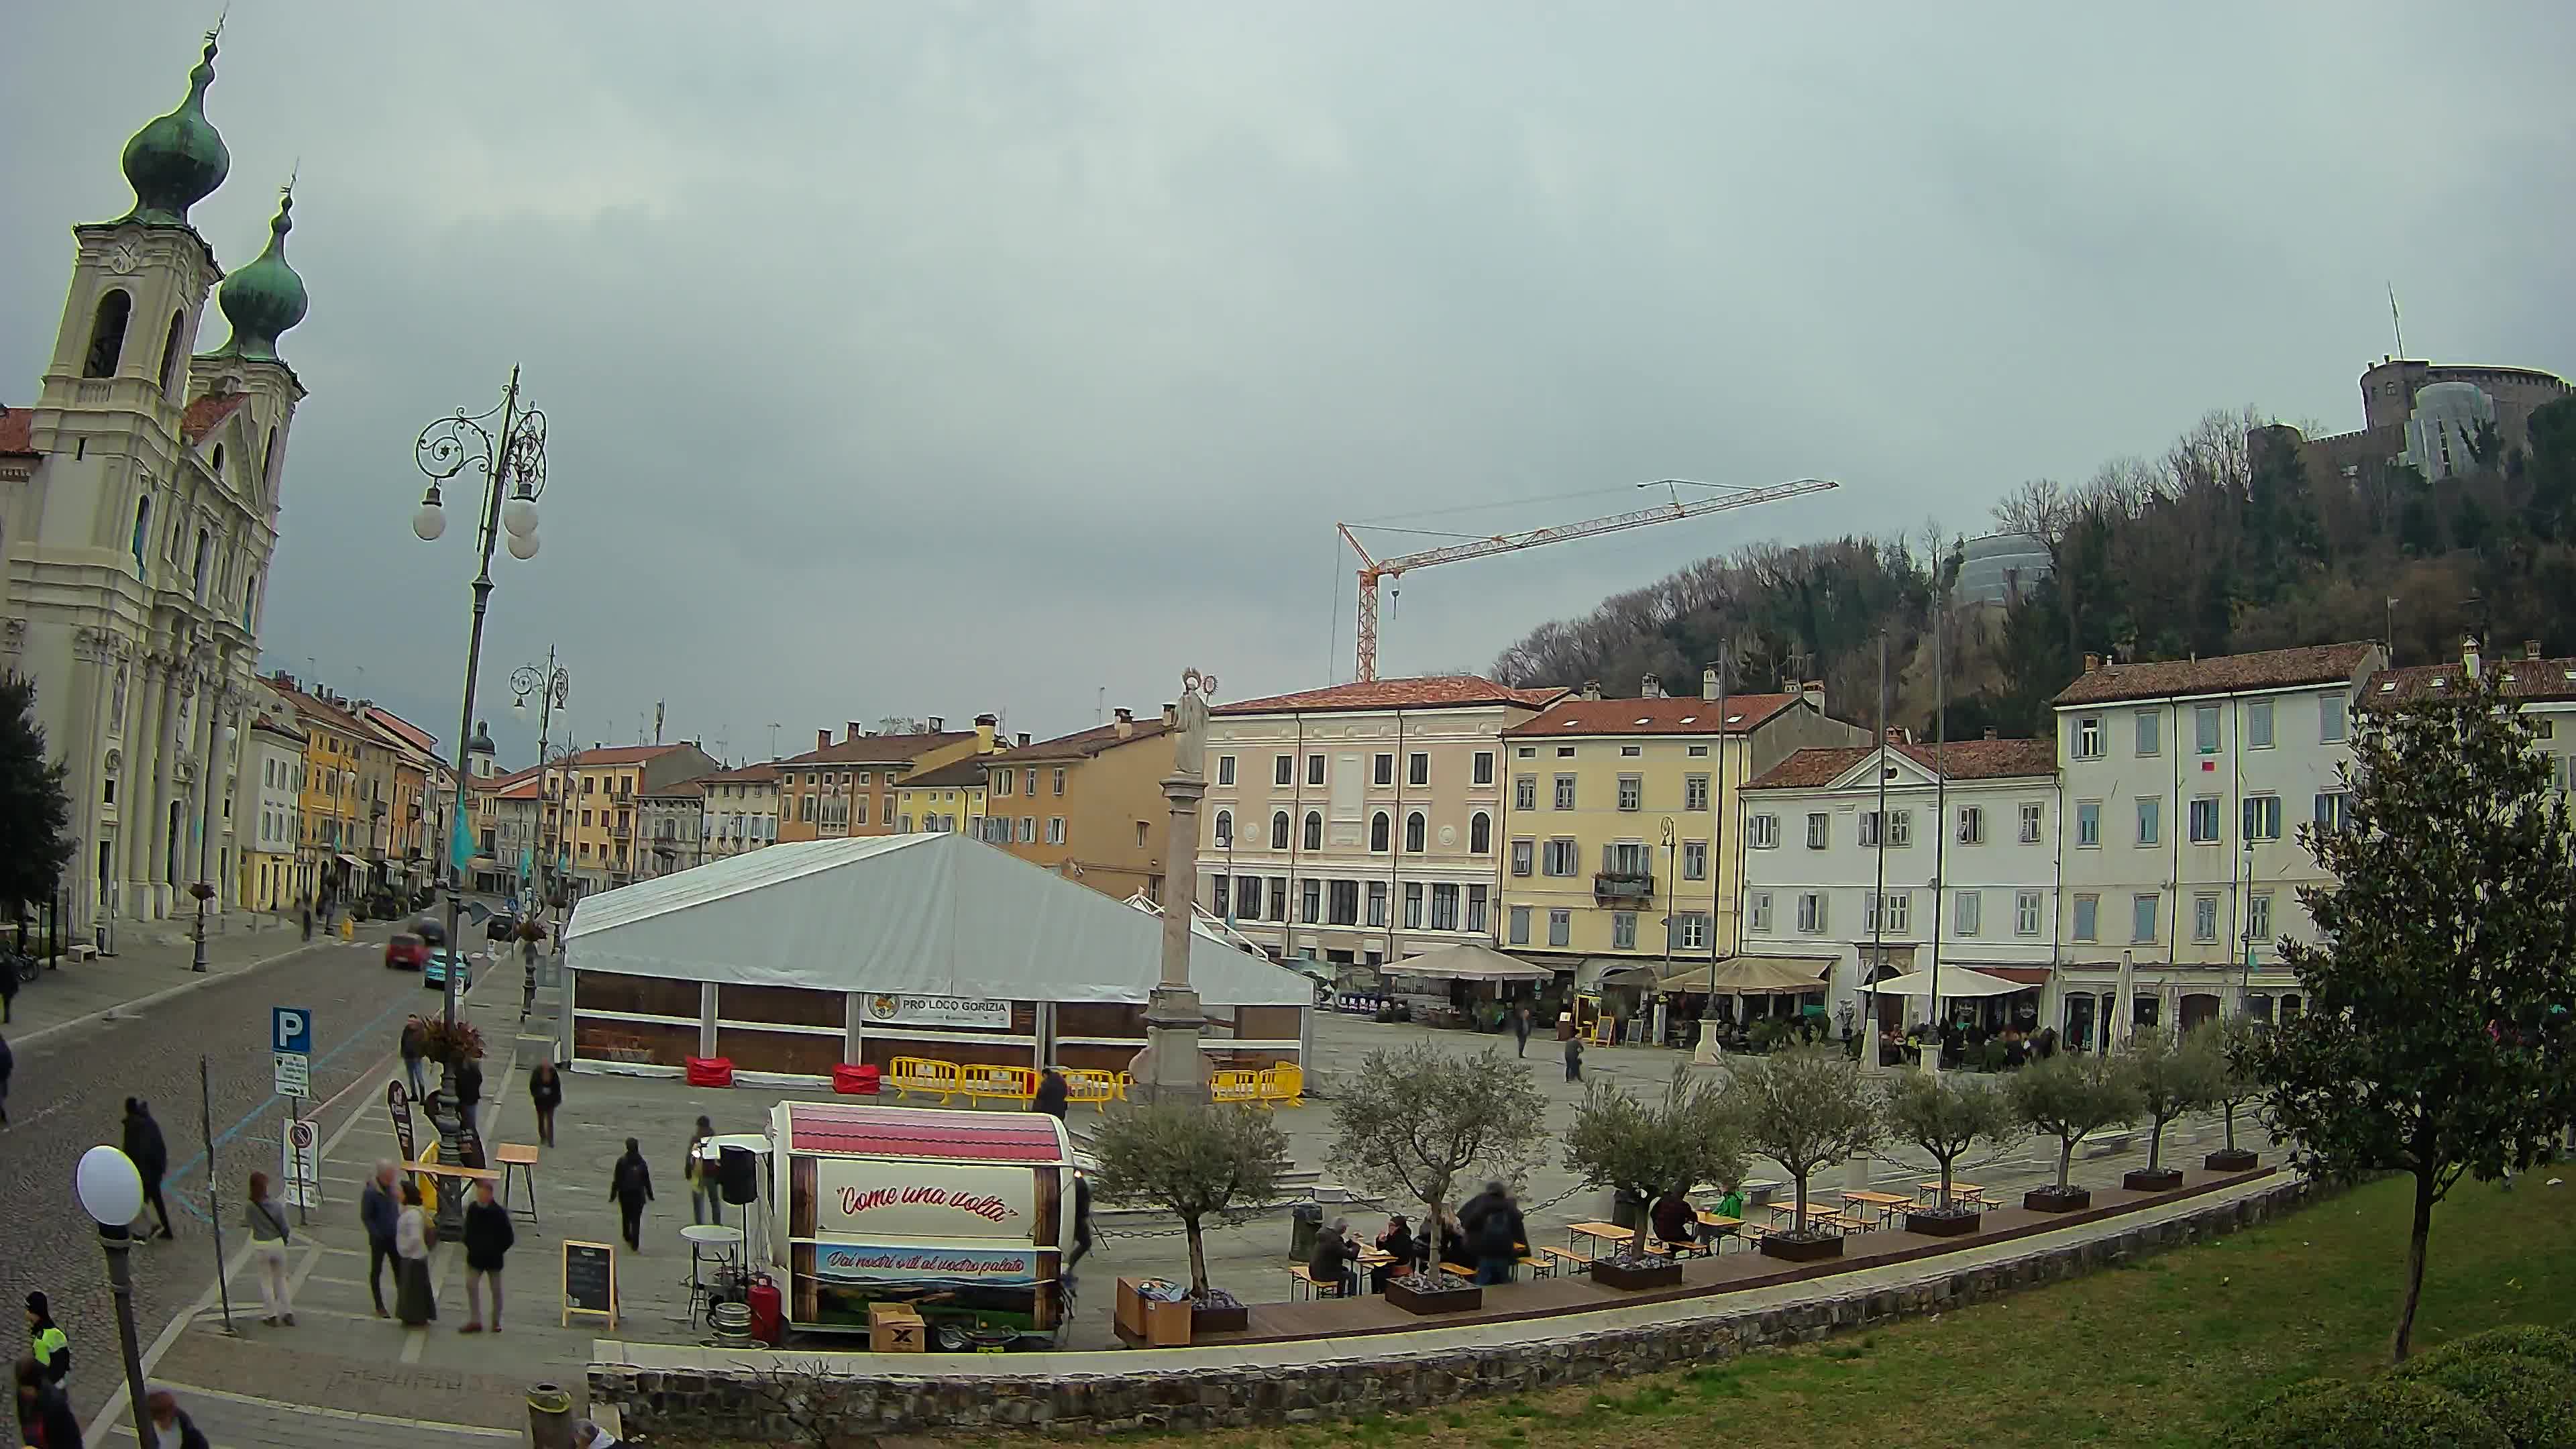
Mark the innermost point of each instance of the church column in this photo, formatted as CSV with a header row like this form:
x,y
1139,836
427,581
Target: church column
x,y
177,695
134,801
94,679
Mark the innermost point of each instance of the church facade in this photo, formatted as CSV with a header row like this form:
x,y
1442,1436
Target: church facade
x,y
138,515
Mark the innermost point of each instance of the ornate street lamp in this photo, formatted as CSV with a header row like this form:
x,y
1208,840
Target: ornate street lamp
x,y
552,686
111,1192
507,445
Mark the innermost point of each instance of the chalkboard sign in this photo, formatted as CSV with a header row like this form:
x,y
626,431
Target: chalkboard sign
x,y
590,1281
398,1103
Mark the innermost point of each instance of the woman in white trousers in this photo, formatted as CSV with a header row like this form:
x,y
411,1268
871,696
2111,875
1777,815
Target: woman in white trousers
x,y
268,1240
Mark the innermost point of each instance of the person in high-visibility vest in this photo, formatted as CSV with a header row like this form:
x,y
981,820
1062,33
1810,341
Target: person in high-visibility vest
x,y
46,1344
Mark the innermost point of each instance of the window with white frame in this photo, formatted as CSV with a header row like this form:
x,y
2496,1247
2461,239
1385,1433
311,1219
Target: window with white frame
x,y
2204,917
2204,729
1480,833
2151,819
1560,927
2142,917
2262,817
1693,932
1757,908
2258,724
2331,809
1314,769
1694,860
1283,770
1565,792
1310,901
1820,830
1972,825
1414,832
1520,922
1968,912
2088,823
2331,724
1632,792
1382,769
1623,930
2088,911
2204,820
1811,912
1314,832
1694,792
1055,830
1380,828
2034,819
1900,827
2258,916
1525,792
1870,832
1476,898
1417,768
2026,908
1278,830
1224,770
1484,768
1377,903
1562,857
2150,725
1523,853
1762,832
2086,743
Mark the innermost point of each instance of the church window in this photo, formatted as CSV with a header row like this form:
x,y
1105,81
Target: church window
x,y
170,351
219,462
142,530
107,334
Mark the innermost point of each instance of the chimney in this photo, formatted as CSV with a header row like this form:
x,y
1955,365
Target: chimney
x,y
1990,732
851,730
2530,648
822,739
2469,655
1126,723
938,724
986,726
1651,687
1021,739
1171,716
1708,683
2092,663
1592,689
1813,691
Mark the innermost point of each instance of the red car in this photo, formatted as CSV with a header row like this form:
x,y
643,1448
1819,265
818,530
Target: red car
x,y
409,953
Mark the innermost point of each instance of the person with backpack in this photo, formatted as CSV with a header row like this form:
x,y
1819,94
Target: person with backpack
x,y
631,1185
151,1158
1495,1232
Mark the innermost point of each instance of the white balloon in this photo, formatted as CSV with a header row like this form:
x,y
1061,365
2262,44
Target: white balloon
x,y
111,1191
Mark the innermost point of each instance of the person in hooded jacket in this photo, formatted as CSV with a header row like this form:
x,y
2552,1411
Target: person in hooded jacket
x,y
150,1155
631,1184
45,1419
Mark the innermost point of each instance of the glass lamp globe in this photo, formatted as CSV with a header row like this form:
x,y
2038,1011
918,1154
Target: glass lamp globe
x,y
519,515
111,1191
523,545
429,521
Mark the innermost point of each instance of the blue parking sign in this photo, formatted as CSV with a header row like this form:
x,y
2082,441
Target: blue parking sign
x,y
290,1029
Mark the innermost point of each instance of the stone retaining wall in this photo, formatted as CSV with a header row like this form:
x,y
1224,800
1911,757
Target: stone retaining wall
x,y
1385,1377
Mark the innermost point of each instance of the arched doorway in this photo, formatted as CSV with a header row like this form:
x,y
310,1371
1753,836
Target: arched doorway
x,y
2198,1009
178,822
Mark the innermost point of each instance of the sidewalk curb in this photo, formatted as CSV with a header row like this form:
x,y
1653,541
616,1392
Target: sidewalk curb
x,y
166,993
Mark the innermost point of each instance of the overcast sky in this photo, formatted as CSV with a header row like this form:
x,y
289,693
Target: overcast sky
x,y
930,359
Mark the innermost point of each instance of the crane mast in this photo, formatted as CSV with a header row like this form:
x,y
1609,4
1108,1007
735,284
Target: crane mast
x,y
1373,570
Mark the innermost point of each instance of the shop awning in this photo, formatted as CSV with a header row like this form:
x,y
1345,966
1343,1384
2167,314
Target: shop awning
x,y
1468,961
1751,976
352,861
1625,973
1955,981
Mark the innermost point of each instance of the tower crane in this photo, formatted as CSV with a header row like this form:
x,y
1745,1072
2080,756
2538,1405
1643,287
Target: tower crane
x,y
1373,569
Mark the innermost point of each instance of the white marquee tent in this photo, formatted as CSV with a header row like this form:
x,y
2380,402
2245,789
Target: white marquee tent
x,y
927,915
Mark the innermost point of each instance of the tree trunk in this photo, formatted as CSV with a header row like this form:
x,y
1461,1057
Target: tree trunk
x,y
2065,1160
2156,1145
2422,1229
1798,1218
2227,1111
1946,1165
1198,1258
1645,1224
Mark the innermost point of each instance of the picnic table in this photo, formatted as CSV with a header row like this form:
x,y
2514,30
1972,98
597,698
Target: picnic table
x,y
1595,1234
1887,1204
1968,1190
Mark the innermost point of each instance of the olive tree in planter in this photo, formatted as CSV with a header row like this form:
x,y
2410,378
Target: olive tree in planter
x,y
2171,1075
1643,1149
1415,1120
1805,1108
2070,1097
1948,1116
2233,1044
1217,1164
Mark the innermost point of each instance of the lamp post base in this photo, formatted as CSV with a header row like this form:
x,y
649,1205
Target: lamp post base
x,y
198,962
117,1241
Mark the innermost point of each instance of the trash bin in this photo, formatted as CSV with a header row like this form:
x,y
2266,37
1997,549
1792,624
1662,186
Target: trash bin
x,y
1626,1211
549,1417
1305,1224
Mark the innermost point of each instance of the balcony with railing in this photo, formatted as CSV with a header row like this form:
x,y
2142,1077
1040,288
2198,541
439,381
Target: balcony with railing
x,y
1620,885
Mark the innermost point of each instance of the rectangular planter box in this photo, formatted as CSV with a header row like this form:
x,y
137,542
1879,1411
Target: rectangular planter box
x,y
1941,1225
2050,1200
2231,1160
1437,1300
2162,1179
1801,1250
1611,1273
1237,1319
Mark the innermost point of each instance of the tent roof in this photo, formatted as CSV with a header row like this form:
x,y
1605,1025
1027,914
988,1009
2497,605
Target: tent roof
x,y
1753,976
1955,981
929,915
1468,961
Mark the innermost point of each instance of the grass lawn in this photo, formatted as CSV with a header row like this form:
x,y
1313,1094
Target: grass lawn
x,y
2169,1351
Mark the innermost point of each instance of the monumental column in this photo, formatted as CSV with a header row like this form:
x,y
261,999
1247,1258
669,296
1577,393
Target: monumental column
x,y
1174,1070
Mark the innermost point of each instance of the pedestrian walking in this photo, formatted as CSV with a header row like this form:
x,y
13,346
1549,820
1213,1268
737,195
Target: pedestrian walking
x,y
45,1418
308,920
171,1425
1081,1225
1521,1027
269,1239
380,1211
631,1184
415,1303
8,992
469,1099
46,1344
705,1205
151,1157
488,1236
415,1047
1052,1094
1496,1232
8,1063
1574,1058
545,1090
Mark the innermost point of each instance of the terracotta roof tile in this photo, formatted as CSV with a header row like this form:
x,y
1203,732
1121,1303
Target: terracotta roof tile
x,y
208,413
1081,744
17,432
518,790
2538,679
2269,669
621,755
1959,760
748,775
950,776
1693,716
676,789
1436,691
878,749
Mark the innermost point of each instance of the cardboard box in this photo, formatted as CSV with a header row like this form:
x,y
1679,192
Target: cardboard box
x,y
896,1328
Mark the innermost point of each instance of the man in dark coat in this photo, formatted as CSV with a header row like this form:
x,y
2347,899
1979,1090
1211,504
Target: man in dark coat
x,y
151,1157
631,1185
380,1210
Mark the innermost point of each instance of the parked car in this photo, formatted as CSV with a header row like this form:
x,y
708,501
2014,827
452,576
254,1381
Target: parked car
x,y
433,970
406,952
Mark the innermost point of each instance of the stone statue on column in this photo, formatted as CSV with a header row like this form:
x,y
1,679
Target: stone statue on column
x,y
1171,1069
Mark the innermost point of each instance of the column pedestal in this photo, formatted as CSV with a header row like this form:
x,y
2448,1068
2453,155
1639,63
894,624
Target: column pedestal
x,y
1174,1068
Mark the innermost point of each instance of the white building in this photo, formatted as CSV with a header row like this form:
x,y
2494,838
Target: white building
x,y
268,819
1358,824
2542,688
741,810
2184,785
138,512
1964,868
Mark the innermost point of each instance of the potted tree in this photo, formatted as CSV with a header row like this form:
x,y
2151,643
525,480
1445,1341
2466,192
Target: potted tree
x,y
2171,1075
1414,1121
2070,1098
1643,1149
1216,1164
1947,1116
1805,1108
2235,1043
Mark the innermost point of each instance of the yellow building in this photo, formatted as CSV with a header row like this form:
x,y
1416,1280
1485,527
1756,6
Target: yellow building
x,y
948,798
1088,805
1615,819
845,789
595,792
329,808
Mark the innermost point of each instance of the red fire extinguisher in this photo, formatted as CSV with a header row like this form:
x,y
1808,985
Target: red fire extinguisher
x,y
768,1311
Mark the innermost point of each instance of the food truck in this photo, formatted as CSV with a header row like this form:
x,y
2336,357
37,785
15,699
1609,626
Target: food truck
x,y
966,1217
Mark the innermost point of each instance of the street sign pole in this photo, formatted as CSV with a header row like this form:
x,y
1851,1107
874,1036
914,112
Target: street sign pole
x,y
290,1041
214,1201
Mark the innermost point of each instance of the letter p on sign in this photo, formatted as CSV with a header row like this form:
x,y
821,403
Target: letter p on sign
x,y
290,1029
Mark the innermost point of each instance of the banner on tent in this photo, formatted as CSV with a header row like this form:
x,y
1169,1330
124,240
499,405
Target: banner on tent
x,y
981,1012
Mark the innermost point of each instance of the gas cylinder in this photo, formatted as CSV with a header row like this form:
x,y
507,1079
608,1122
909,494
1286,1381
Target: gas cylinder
x,y
768,1311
